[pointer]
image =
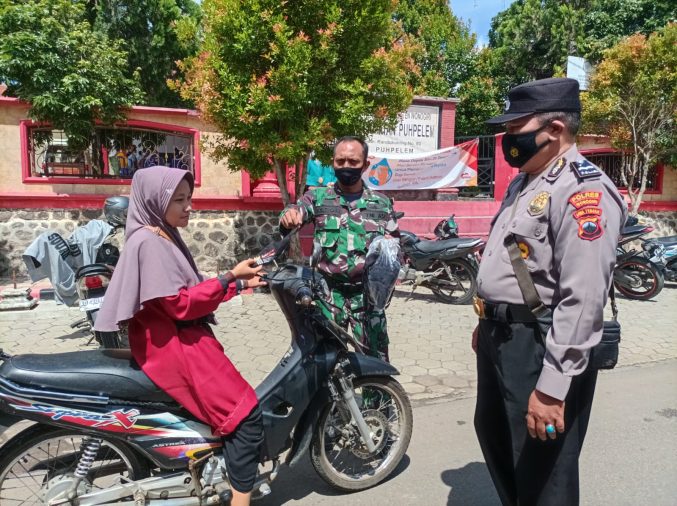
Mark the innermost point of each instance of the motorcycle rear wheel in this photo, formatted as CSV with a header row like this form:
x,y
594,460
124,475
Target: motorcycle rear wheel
x,y
338,453
40,463
649,280
462,280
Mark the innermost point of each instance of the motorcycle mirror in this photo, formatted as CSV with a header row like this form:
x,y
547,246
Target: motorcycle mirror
x,y
398,215
274,251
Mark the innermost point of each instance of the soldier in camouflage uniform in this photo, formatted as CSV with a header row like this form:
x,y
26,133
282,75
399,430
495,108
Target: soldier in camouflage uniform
x,y
347,217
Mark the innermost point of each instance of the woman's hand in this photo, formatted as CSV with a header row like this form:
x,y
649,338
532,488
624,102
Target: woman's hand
x,y
247,269
255,282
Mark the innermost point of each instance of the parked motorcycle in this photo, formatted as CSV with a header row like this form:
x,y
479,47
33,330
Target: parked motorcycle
x,y
669,263
447,266
105,434
80,267
92,280
637,274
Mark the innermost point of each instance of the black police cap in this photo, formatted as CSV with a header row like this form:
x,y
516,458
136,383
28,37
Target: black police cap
x,y
557,94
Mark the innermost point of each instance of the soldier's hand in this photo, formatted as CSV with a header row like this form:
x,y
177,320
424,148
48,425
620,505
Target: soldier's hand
x,y
291,219
475,333
544,410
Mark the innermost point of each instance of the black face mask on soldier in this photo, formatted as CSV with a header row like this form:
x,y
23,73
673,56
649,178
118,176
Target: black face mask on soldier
x,y
518,149
348,177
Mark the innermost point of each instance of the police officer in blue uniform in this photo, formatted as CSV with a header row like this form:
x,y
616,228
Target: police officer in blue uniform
x,y
535,391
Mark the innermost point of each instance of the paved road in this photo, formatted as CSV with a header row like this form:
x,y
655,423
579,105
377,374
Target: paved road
x,y
430,341
629,457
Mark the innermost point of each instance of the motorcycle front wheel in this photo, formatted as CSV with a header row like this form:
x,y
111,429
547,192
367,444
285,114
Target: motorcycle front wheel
x,y
338,453
457,283
645,281
39,466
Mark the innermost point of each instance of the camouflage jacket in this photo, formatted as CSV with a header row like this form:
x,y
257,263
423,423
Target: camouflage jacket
x,y
345,229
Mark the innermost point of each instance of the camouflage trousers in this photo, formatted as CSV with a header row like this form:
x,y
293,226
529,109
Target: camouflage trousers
x,y
368,325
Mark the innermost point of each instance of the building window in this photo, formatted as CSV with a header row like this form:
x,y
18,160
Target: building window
x,y
113,154
612,162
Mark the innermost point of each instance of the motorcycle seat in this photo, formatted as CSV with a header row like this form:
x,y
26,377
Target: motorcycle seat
x,y
111,373
667,241
437,246
634,229
93,270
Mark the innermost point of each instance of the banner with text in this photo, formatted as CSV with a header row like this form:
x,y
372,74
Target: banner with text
x,y
445,168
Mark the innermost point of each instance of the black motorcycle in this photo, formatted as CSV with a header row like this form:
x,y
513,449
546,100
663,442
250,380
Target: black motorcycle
x,y
447,265
105,434
667,247
638,274
91,281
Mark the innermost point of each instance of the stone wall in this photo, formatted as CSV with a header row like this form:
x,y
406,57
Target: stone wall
x,y
664,222
217,239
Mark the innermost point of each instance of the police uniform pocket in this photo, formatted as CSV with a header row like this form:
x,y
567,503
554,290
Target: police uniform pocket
x,y
531,235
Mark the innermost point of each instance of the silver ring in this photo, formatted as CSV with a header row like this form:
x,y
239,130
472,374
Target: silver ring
x,y
550,428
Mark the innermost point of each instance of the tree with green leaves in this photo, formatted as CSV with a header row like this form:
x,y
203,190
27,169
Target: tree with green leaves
x,y
156,35
283,79
633,99
532,39
70,75
450,64
445,49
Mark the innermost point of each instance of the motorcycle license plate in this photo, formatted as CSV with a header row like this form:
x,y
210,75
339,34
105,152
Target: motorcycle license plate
x,y
91,304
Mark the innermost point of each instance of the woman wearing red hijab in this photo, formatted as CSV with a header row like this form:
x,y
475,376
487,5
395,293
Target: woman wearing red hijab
x,y
157,292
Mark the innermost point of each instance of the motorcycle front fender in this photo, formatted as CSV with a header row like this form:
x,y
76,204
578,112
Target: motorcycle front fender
x,y
366,365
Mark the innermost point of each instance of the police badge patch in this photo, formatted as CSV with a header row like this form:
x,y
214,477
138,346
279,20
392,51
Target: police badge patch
x,y
537,205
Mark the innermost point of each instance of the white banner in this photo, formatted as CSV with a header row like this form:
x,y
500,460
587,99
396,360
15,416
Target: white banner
x,y
417,131
445,168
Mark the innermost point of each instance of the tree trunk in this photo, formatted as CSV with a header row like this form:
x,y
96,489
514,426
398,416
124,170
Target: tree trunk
x,y
295,253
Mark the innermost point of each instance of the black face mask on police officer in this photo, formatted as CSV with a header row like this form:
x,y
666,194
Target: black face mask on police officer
x,y
518,149
348,177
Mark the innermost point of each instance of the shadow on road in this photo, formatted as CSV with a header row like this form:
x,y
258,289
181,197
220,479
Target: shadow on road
x,y
404,292
470,484
78,334
293,484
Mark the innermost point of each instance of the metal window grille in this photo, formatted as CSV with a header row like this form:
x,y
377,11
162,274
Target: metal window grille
x,y
113,153
612,164
485,165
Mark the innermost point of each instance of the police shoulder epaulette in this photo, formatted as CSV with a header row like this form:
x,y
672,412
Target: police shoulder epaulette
x,y
556,169
584,169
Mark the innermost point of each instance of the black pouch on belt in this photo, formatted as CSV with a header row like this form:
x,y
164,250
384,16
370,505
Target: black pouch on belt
x,y
604,355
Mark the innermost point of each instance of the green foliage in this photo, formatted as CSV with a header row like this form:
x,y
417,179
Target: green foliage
x,y
633,100
156,34
606,22
480,97
281,79
532,38
71,75
445,46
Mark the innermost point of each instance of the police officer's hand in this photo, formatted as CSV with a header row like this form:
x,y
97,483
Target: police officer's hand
x,y
543,410
475,334
247,269
291,219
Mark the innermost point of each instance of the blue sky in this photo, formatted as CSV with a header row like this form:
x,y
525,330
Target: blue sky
x,y
479,13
